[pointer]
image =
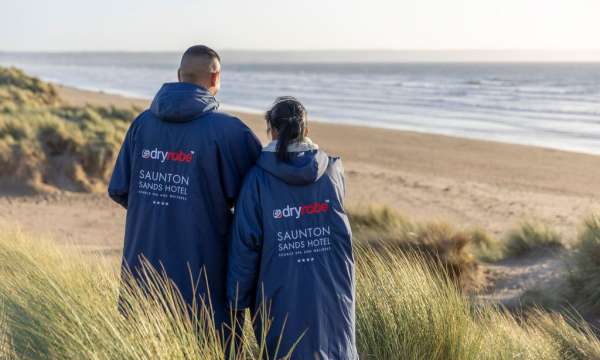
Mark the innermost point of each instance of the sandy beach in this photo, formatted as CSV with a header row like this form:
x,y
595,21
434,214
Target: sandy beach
x,y
427,177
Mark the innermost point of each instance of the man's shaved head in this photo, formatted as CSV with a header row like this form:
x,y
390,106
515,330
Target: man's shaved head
x,y
200,65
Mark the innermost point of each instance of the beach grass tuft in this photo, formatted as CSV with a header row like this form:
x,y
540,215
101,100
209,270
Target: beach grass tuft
x,y
584,267
404,308
485,247
530,236
60,303
46,145
389,232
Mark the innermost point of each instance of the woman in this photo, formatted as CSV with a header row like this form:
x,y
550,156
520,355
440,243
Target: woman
x,y
291,254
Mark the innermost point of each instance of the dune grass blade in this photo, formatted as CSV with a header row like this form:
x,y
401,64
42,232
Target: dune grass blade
x,y
6,346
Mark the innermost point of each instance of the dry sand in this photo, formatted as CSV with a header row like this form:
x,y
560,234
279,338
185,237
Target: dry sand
x,y
427,177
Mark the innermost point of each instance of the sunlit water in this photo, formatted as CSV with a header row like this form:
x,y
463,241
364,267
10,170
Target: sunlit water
x,y
546,104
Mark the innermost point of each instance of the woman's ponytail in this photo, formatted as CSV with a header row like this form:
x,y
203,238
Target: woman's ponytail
x,y
288,117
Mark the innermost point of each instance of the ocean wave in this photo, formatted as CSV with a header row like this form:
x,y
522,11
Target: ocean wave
x,y
530,103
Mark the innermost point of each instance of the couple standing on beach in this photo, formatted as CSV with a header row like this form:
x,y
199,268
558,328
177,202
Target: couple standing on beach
x,y
237,225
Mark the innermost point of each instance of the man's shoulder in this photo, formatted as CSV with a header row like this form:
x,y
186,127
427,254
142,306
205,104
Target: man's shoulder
x,y
224,123
223,118
138,122
142,117
215,118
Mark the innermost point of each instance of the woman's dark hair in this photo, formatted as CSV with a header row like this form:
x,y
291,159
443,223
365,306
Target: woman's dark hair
x,y
288,117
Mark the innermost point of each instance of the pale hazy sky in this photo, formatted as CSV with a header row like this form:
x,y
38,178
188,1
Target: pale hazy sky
x,y
299,24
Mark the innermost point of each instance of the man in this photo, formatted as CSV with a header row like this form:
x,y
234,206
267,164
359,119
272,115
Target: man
x,y
178,174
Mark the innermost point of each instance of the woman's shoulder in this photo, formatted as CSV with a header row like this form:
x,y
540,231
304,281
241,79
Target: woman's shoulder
x,y
334,160
335,171
255,176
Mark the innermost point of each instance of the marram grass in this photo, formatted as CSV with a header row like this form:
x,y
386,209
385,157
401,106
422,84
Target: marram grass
x,y
46,144
584,267
404,308
530,236
388,232
60,303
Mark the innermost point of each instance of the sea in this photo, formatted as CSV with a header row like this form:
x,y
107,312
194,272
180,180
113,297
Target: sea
x,y
549,104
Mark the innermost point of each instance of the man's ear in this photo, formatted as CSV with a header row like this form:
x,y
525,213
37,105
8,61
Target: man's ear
x,y
214,79
306,131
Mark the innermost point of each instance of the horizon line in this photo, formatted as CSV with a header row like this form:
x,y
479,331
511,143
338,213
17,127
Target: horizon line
x,y
314,50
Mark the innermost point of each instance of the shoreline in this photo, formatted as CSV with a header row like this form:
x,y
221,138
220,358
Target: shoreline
x,y
108,96
79,97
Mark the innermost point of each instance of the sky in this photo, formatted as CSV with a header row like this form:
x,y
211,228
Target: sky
x,y
165,25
